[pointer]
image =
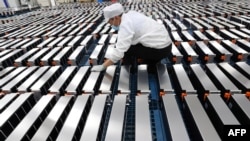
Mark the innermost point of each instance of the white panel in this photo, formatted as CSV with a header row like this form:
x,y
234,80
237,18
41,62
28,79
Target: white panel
x,y
53,3
14,3
44,2
2,4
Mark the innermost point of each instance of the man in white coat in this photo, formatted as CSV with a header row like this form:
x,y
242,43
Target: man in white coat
x,y
138,36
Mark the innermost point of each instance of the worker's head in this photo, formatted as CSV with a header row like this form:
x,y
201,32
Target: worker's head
x,y
112,14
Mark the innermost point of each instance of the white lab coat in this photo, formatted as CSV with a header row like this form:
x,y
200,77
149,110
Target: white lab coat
x,y
137,28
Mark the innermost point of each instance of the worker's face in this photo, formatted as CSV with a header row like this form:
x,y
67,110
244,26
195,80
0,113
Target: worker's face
x,y
114,21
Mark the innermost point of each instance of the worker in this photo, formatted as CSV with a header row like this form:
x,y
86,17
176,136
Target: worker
x,y
138,36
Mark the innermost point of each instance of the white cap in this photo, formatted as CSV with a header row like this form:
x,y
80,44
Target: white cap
x,y
112,11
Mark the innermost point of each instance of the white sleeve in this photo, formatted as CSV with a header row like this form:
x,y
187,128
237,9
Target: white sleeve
x,y
125,36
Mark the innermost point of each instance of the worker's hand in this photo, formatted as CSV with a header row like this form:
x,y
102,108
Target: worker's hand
x,y
98,68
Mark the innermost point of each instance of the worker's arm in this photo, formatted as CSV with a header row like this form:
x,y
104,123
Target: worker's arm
x,y
107,63
102,67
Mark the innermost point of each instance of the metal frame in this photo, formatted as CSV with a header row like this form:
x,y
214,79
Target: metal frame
x,y
39,34
200,36
245,30
90,86
8,59
213,36
95,56
14,83
243,68
104,39
188,52
7,100
62,81
219,113
53,43
16,46
28,33
236,77
239,54
244,44
182,81
24,130
225,24
35,31
25,86
205,53
123,82
11,75
9,117
67,30
76,56
6,71
76,119
188,37
65,41
107,81
21,31
205,25
109,50
242,35
22,60
78,81
11,35
117,119
54,121
193,24
7,46
176,38
41,85
33,43
75,42
94,124
142,119
76,30
61,57
164,79
178,14
174,123
46,42
142,80
59,30
198,121
47,59
4,52
203,83
35,59
175,56
83,32
217,26
222,54
171,27
6,42
228,35
87,41
105,31
220,79
240,108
